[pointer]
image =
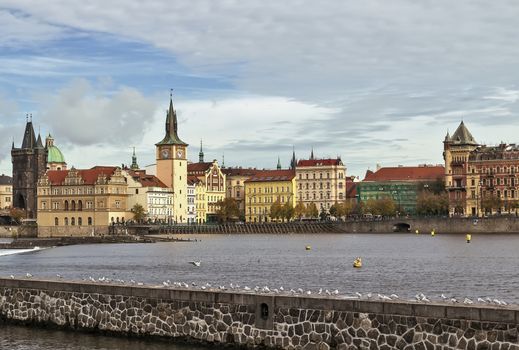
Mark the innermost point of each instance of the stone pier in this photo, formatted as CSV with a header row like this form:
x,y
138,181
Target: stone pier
x,y
257,320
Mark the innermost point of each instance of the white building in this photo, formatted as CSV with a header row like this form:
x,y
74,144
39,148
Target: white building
x,y
148,191
191,205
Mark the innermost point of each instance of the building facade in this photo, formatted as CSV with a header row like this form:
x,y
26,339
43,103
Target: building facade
x,y
82,197
29,163
480,179
171,168
402,184
264,189
320,181
191,200
151,193
235,184
6,191
212,177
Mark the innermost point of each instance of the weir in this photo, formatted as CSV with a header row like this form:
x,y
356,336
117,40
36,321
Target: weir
x,y
257,320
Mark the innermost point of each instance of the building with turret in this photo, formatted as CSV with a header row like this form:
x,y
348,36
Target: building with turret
x,y
480,179
29,163
171,168
55,159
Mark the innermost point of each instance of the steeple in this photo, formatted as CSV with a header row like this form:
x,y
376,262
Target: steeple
x,y
134,165
312,154
49,141
201,153
293,162
29,139
223,160
463,136
447,137
279,164
39,143
171,137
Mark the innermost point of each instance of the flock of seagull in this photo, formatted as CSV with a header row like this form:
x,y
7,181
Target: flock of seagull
x,y
420,297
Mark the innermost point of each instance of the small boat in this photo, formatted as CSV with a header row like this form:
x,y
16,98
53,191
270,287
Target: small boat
x,y
357,262
308,247
197,263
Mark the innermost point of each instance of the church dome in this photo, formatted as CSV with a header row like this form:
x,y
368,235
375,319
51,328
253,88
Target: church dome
x,y
54,155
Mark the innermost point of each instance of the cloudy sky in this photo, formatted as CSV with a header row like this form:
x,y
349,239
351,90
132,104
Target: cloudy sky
x,y
373,81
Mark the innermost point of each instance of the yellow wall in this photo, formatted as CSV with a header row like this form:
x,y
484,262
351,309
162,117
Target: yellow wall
x,y
260,195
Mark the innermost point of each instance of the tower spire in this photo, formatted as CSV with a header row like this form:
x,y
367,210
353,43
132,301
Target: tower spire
x,y
293,161
279,164
171,137
134,165
312,154
201,153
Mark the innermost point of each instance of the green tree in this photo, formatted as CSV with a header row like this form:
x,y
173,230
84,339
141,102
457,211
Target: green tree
x,y
228,210
491,203
336,209
429,203
384,206
138,213
276,210
299,210
17,214
288,211
312,211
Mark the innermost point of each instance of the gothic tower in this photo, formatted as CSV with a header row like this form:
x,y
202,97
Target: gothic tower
x,y
171,156
29,163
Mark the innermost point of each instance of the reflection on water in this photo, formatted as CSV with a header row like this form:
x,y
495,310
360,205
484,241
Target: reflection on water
x,y
22,338
404,264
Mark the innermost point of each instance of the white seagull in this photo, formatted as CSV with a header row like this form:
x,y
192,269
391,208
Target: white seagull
x,y
196,263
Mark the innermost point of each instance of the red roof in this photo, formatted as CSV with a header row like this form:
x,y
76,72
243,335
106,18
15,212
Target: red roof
x,y
272,175
193,180
146,180
351,188
89,176
239,171
198,167
406,173
319,162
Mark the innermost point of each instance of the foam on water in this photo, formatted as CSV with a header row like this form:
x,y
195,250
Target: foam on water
x,y
4,252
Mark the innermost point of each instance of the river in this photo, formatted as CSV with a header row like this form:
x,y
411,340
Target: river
x,y
404,264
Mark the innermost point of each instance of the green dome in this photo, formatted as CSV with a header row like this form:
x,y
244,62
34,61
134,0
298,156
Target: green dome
x,y
55,155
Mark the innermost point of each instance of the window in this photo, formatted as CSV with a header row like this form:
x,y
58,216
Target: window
x,y
66,205
117,204
43,205
66,221
79,221
72,221
73,205
79,205
56,221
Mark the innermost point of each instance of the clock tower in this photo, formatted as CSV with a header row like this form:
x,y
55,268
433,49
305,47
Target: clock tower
x,y
172,164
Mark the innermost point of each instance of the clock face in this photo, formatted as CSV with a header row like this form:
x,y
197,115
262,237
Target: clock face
x,y
180,153
165,153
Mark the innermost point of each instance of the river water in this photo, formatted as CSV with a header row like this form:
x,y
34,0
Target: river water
x,y
404,264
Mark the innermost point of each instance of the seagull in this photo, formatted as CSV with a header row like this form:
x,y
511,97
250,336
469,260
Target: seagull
x,y
299,290
369,295
246,288
58,276
308,292
12,277
394,296
424,299
327,292
383,297
467,301
320,291
132,281
92,279
196,263
481,300
358,295
282,289
165,284
453,300
140,283
335,292
292,291
28,275
275,290
443,296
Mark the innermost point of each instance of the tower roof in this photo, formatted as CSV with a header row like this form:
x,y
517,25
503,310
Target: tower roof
x,y
171,137
29,138
463,136
54,155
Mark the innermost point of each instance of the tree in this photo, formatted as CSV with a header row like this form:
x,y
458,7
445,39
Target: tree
x,y
138,213
17,214
384,206
312,211
429,203
336,209
491,203
288,211
276,210
228,210
299,210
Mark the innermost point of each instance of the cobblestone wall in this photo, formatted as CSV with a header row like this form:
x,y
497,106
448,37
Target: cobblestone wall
x,y
288,322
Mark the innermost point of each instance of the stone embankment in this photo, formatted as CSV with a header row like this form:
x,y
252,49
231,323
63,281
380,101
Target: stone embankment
x,y
27,243
257,320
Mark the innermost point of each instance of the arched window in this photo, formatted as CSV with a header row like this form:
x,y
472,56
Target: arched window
x,y
79,221
72,221
56,221
66,205
89,221
66,221
79,205
73,205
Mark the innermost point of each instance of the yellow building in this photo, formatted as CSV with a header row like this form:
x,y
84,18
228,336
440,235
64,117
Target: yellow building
x,y
200,200
265,188
212,177
171,168
235,183
6,191
321,181
81,202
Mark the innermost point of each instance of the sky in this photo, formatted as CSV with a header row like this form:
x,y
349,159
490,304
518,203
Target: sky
x,y
373,81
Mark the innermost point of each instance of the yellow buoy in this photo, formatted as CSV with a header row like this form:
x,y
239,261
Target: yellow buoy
x,y
432,233
468,237
308,247
417,232
357,262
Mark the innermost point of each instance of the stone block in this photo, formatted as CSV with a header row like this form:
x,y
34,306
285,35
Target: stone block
x,y
462,312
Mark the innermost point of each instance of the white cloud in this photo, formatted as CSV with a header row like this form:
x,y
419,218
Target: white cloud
x,y
80,114
21,30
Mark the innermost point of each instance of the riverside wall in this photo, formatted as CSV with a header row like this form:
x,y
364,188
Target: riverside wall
x,y
257,320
